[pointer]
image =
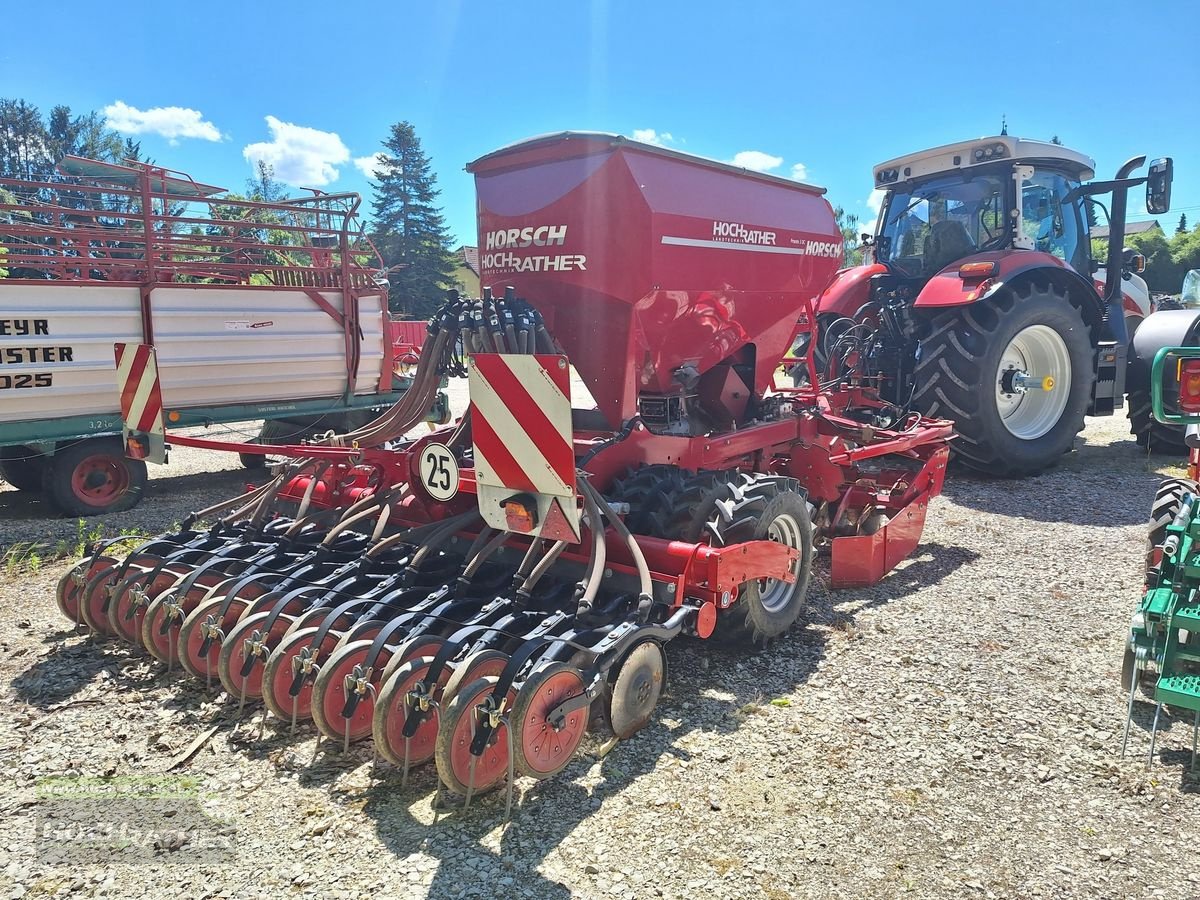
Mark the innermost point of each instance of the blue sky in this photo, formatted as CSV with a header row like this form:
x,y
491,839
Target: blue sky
x,y
830,88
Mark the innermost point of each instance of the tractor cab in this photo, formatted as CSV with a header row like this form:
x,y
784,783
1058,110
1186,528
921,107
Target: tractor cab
x,y
995,194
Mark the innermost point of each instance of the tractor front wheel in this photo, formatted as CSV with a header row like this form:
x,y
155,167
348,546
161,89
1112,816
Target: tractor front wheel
x,y
1014,373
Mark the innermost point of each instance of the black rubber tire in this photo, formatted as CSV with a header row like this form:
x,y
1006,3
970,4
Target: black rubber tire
x,y
22,467
635,690
272,432
646,490
57,477
729,508
960,355
1155,436
1167,500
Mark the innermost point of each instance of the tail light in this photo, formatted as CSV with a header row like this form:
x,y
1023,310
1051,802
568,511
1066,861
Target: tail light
x,y
1189,385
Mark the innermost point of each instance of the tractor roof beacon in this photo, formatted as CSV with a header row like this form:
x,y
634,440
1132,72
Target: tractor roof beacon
x,y
982,302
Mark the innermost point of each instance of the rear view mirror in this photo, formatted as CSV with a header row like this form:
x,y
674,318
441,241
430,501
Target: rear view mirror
x,y
1158,186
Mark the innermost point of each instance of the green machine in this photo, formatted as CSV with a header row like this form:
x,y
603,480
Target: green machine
x,y
1162,656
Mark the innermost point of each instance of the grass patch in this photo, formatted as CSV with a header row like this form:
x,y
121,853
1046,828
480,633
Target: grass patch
x,y
32,556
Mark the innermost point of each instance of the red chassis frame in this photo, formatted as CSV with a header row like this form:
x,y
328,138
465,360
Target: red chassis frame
x,y
845,466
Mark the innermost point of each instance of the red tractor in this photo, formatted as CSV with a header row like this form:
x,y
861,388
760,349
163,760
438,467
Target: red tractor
x,y
982,302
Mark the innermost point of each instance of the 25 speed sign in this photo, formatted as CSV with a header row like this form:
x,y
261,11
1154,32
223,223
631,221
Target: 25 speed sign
x,y
439,471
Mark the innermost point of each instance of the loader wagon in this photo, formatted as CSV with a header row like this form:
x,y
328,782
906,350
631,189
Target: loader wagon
x,y
274,311
483,596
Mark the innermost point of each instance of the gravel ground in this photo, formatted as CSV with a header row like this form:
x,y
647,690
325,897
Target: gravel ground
x,y
953,731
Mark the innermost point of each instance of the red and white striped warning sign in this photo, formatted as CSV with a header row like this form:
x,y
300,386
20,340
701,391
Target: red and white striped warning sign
x,y
141,401
521,429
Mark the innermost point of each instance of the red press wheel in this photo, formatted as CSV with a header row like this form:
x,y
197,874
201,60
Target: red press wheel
x,y
175,608
194,629
543,747
329,693
277,680
391,714
412,648
479,664
66,595
453,751
239,645
126,600
73,589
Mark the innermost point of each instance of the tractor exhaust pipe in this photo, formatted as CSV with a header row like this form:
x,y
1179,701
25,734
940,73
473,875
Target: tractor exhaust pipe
x,y
1115,312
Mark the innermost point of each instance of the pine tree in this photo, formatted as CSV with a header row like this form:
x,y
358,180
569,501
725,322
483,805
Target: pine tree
x,y
409,229
1182,229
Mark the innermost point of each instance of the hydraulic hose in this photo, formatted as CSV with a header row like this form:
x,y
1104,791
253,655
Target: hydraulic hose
x,y
639,558
482,556
543,566
595,569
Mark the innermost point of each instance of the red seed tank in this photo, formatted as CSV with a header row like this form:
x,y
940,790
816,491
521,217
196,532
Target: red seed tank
x,y
651,266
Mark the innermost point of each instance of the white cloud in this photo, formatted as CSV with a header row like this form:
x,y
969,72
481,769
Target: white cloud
x,y
875,200
800,172
171,122
757,161
650,136
368,164
298,154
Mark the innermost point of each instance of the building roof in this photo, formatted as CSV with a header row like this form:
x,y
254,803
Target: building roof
x,y
1101,231
469,257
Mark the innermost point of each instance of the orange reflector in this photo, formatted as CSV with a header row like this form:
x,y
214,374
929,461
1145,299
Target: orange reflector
x,y
520,513
1189,385
977,270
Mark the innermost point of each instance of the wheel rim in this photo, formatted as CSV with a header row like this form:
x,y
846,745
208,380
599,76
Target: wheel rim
x,y
99,479
545,750
192,635
277,690
774,594
492,766
1038,351
329,694
395,712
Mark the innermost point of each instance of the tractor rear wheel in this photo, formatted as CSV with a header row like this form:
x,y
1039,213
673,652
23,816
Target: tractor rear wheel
x,y
1155,436
1167,501
1014,373
722,508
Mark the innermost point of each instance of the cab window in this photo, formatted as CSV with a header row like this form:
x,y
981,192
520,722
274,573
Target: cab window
x,y
1049,222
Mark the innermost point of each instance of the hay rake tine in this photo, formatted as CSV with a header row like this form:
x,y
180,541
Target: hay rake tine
x,y
471,766
1153,737
407,741
1195,735
1137,674
508,794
